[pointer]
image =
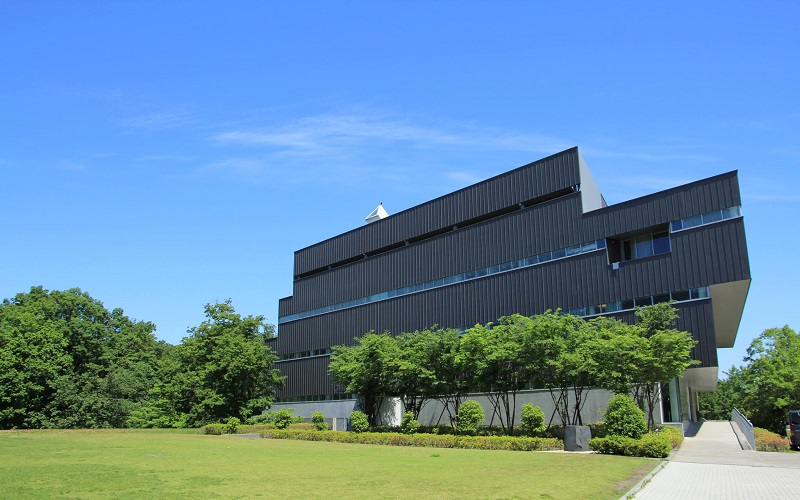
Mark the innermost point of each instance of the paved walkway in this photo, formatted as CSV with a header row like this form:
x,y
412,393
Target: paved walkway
x,y
711,464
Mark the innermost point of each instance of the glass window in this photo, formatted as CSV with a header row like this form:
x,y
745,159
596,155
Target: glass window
x,y
614,306
627,304
677,225
575,250
588,247
679,296
644,301
505,266
692,221
561,252
729,213
712,217
702,292
544,257
661,243
469,275
601,243
530,261
657,299
480,272
644,246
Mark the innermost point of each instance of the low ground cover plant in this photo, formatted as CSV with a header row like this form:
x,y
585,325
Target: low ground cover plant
x,y
650,445
421,440
769,441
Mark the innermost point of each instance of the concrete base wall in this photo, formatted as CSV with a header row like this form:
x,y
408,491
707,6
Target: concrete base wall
x,y
596,400
433,412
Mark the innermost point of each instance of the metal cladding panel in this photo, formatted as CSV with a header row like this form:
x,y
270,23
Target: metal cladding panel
x,y
714,193
697,318
306,376
541,228
525,183
285,306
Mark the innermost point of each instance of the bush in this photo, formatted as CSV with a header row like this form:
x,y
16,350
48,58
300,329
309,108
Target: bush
x,y
359,422
769,441
624,417
650,445
283,418
213,429
232,425
318,419
470,415
260,419
674,435
408,425
532,419
303,426
422,440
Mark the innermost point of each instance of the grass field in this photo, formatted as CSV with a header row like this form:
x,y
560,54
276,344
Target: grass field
x,y
174,464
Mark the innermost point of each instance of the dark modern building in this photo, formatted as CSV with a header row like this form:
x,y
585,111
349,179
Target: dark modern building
x,y
535,238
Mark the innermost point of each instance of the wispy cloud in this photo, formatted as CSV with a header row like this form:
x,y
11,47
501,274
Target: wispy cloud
x,y
324,133
159,120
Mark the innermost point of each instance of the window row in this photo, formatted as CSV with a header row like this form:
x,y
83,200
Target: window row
x,y
629,304
305,354
449,280
707,218
315,397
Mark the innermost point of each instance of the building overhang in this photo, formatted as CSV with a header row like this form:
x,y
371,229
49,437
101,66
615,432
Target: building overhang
x,y
701,379
728,300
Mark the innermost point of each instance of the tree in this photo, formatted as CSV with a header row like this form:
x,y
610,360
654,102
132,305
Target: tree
x,y
224,367
561,356
367,369
450,377
495,354
772,378
66,361
667,356
730,394
413,370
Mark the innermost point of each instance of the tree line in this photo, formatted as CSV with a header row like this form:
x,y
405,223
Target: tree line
x,y
68,362
765,388
565,354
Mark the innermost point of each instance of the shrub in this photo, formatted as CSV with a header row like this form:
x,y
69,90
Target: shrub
x,y
304,426
213,429
598,429
654,445
282,418
318,419
650,445
532,419
624,417
674,435
769,441
359,422
232,425
470,415
260,419
422,440
409,425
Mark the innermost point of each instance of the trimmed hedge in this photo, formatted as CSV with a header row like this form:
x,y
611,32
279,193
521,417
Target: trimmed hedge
x,y
650,445
674,434
422,440
769,441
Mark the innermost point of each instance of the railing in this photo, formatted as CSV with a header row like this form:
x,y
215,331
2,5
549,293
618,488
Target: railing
x,y
745,425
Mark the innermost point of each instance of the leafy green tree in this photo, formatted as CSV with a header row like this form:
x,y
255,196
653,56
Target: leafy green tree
x,y
367,369
561,356
449,370
668,354
224,367
730,394
618,351
413,370
66,361
495,354
772,378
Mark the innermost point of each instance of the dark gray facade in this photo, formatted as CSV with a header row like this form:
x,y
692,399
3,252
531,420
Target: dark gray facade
x,y
538,237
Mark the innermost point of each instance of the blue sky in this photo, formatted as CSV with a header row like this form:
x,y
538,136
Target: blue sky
x,y
163,155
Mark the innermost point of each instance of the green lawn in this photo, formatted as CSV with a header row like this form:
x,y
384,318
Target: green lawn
x,y
153,463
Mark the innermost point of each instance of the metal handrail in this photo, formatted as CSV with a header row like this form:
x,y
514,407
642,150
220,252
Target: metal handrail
x,y
745,425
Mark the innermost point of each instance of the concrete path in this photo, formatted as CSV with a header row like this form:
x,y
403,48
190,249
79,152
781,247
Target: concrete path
x,y
712,464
